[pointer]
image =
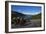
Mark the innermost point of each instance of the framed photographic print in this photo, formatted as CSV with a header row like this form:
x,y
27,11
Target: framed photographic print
x,y
24,16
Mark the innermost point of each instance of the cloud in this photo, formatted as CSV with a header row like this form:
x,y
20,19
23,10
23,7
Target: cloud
x,y
31,13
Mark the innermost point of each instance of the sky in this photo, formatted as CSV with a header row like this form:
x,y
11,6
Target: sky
x,y
28,10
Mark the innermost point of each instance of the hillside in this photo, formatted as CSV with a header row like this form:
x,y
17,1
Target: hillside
x,y
17,14
38,16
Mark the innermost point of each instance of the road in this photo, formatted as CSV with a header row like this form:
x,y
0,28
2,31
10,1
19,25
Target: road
x,y
32,23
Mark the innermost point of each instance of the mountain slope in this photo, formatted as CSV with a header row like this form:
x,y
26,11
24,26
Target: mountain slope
x,y
17,14
38,16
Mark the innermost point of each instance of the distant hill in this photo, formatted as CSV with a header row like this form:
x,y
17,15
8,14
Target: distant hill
x,y
17,14
38,16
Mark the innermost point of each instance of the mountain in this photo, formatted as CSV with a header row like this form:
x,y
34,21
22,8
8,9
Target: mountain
x,y
17,14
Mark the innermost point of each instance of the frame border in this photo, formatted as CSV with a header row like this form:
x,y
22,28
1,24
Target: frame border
x,y
6,16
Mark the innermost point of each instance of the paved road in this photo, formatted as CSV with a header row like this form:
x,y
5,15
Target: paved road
x,y
32,23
